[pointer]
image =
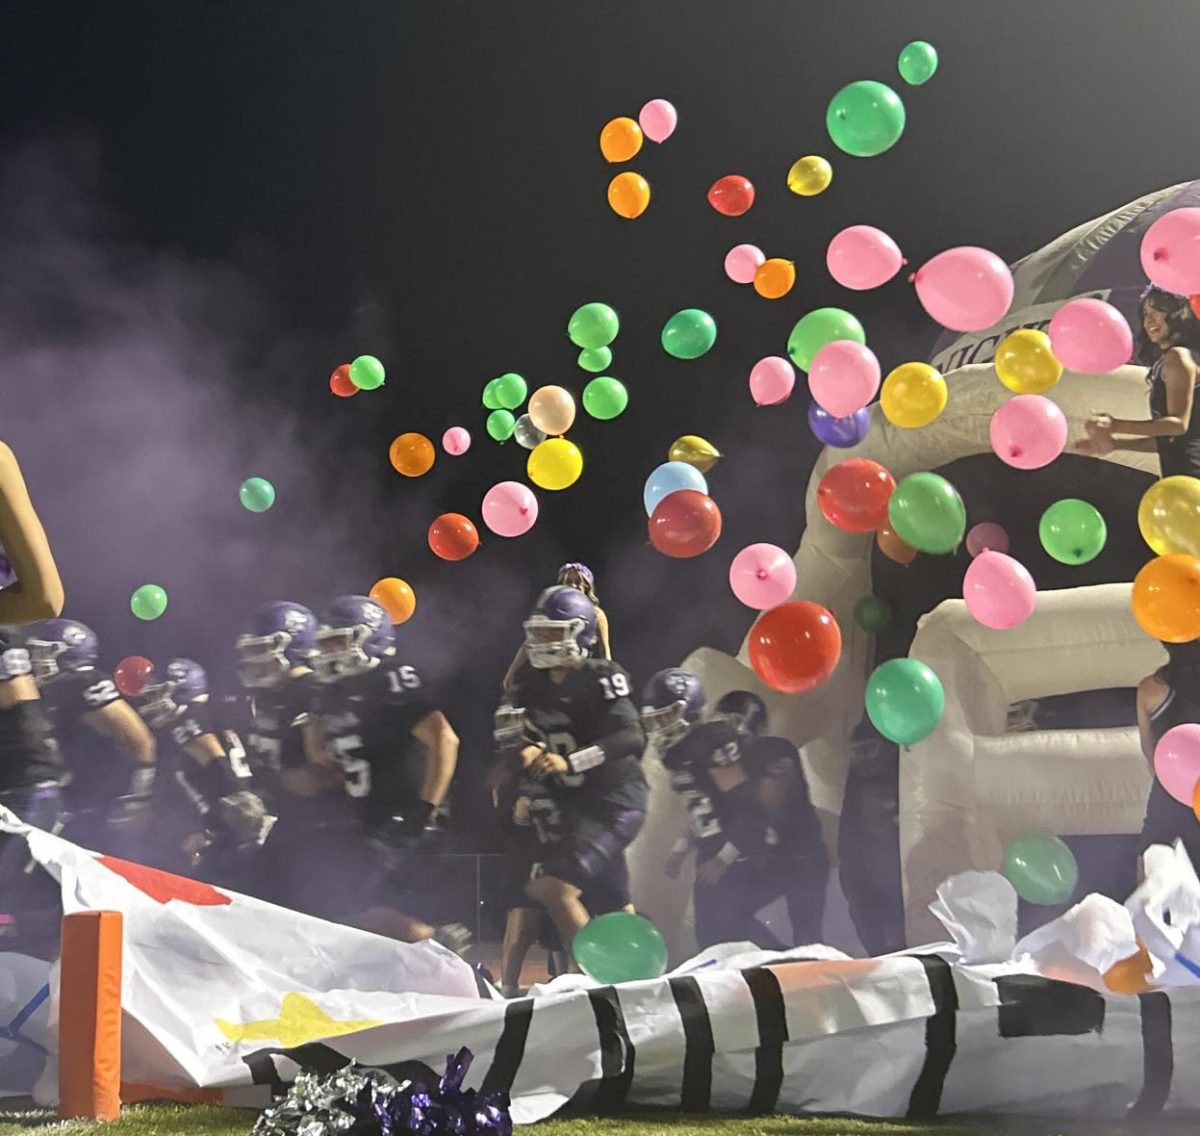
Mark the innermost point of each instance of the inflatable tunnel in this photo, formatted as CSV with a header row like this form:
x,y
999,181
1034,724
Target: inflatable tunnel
x,y
833,568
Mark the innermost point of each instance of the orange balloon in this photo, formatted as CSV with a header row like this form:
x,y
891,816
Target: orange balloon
x,y
893,547
629,195
453,536
1196,800
774,278
1131,975
395,597
620,140
552,410
1166,598
412,455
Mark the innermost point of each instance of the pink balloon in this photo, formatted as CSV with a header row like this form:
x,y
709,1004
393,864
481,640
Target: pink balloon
x,y
509,508
1177,761
771,380
1028,431
1171,254
742,262
985,537
456,441
843,378
999,591
863,257
965,289
1090,336
658,119
762,576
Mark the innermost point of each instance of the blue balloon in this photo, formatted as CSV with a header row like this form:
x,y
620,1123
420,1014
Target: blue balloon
x,y
670,477
840,432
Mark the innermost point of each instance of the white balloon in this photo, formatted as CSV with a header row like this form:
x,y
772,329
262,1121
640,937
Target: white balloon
x,y
526,433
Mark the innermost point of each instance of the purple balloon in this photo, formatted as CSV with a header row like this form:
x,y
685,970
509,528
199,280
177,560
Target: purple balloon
x,y
840,432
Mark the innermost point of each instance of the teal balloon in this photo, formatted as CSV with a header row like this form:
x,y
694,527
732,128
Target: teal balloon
x,y
148,602
917,63
605,398
689,334
595,359
820,328
257,494
1041,867
509,392
501,424
1072,531
872,614
865,118
905,700
593,325
620,947
926,511
367,373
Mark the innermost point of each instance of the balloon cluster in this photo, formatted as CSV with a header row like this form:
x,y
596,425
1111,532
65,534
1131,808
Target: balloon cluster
x,y
621,140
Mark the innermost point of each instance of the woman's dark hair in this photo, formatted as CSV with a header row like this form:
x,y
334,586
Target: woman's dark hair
x,y
1182,671
1182,325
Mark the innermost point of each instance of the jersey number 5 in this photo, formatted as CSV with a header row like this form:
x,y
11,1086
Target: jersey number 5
x,y
356,770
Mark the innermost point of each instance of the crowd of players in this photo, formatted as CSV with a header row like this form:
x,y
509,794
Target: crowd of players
x,y
334,775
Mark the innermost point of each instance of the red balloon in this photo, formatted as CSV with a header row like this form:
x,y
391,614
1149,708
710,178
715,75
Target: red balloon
x,y
340,384
453,536
853,495
731,195
131,675
684,524
795,647
1194,304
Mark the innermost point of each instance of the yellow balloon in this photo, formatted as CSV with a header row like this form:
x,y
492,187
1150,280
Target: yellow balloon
x,y
629,195
1169,516
774,278
914,394
620,140
1025,364
554,464
809,176
696,451
552,410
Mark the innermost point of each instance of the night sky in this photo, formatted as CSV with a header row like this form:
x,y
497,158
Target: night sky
x,y
205,207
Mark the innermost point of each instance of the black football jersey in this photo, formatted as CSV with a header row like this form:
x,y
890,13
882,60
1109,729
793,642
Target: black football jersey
x,y
99,771
590,709
182,782
29,752
716,817
367,720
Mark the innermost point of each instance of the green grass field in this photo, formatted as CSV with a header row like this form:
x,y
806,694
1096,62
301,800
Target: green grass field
x,y
203,1120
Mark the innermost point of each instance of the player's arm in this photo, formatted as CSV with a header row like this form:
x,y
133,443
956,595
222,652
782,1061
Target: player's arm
x,y
38,591
603,635
121,724
617,733
436,734
518,662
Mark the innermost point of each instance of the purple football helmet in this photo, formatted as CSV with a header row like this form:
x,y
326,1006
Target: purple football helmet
x,y
182,683
672,700
562,629
744,710
281,636
57,646
355,634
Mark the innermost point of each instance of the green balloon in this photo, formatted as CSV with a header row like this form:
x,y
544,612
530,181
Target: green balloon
x,y
491,400
1072,531
367,373
509,392
595,359
917,63
865,118
905,700
501,424
1041,867
820,328
257,494
872,614
593,325
689,334
620,947
926,511
605,398
148,602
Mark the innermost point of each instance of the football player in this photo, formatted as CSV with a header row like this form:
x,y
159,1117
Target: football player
x,y
396,754
107,748
797,859
576,739
729,828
